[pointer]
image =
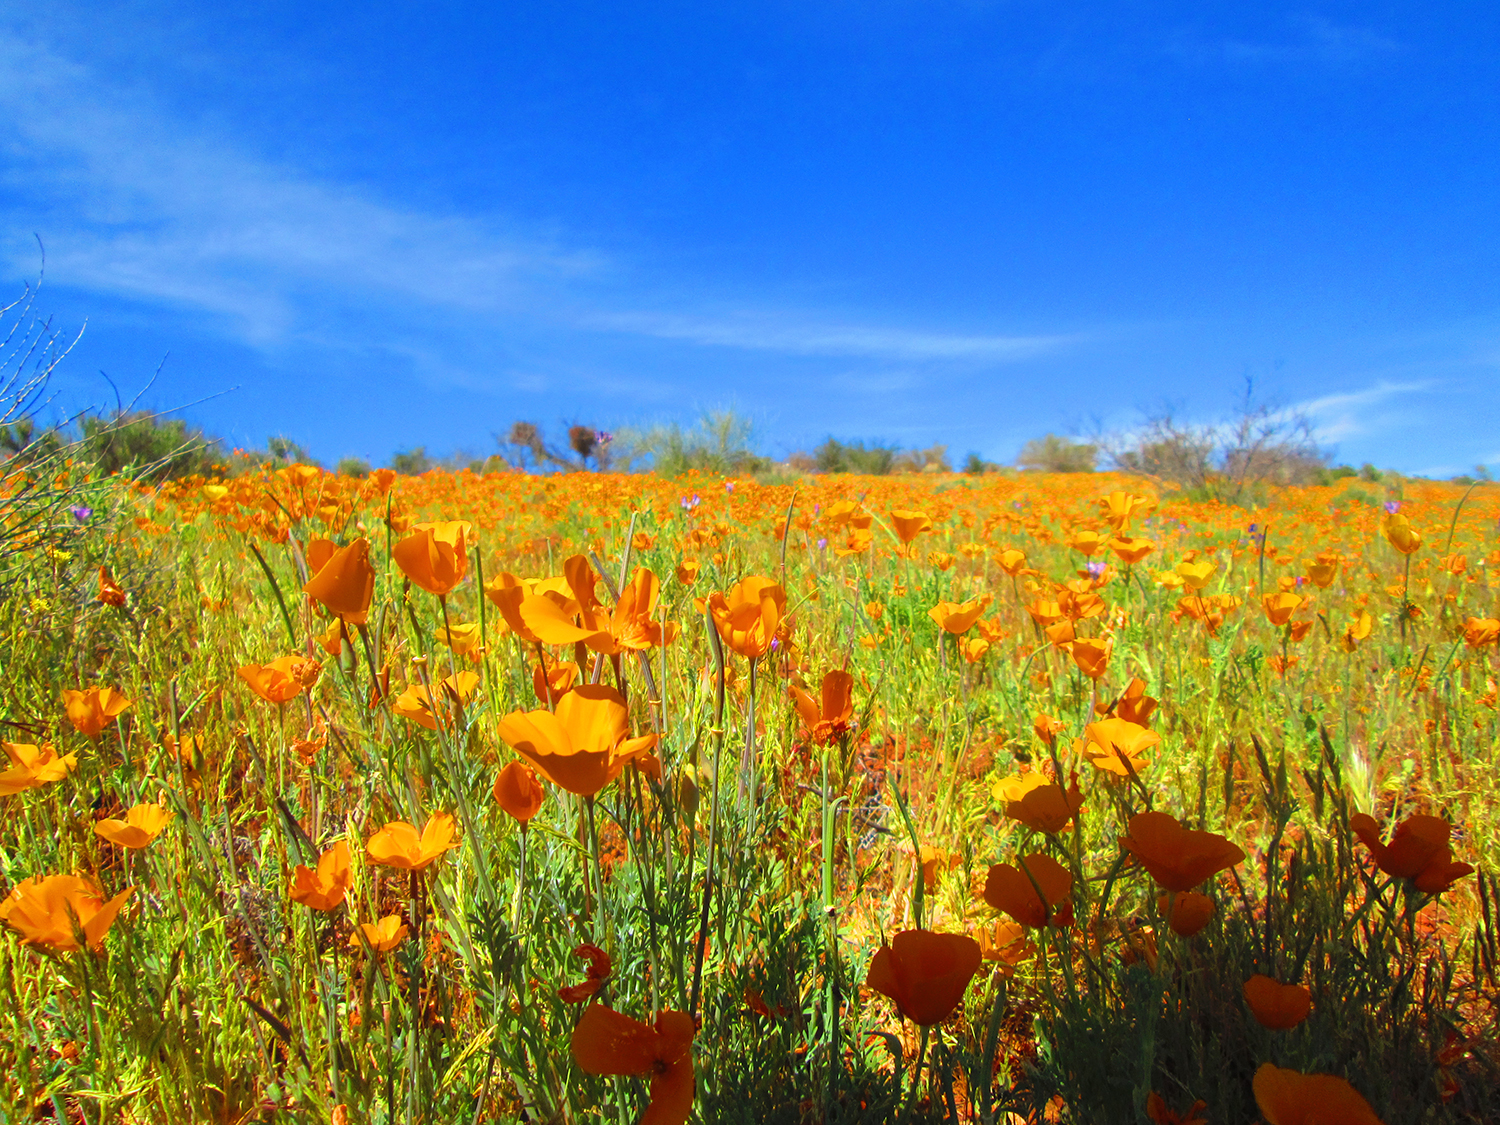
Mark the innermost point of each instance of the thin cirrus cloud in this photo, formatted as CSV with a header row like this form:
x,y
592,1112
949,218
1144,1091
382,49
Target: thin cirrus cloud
x,y
137,207
1308,40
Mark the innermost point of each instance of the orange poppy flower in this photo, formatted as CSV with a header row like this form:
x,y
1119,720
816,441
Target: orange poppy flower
x,y
283,679
1135,706
142,824
1120,507
1014,890
1037,803
1091,656
1178,858
399,845
414,704
1157,1110
1481,631
1011,561
382,936
1004,941
958,617
552,681
687,571
519,793
507,592
49,912
1324,570
1400,534
1289,1097
749,615
925,973
1088,543
344,581
435,556
608,1042
1196,574
583,745
1356,631
1418,851
1131,551
325,887
836,715
1275,1005
94,708
1118,746
462,638
1190,912
109,590
1046,728
599,970
33,765
909,524
1280,607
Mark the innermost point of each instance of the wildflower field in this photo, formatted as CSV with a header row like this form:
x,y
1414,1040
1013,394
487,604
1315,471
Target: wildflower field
x,y
568,798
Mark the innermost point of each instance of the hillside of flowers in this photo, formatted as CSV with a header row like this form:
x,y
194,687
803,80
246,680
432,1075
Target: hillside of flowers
x,y
1003,798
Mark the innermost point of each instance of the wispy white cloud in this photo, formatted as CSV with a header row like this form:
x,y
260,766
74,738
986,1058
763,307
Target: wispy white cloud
x,y
798,336
1311,39
1350,414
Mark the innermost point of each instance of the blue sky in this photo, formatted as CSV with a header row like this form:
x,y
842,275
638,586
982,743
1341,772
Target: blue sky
x,y
960,222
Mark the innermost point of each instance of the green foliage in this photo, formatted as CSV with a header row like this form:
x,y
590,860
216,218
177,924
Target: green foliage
x,y
835,456
149,447
413,462
1053,454
722,442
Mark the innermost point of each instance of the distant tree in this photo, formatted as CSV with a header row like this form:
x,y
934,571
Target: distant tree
x,y
835,456
721,442
353,467
149,446
413,462
1053,454
933,459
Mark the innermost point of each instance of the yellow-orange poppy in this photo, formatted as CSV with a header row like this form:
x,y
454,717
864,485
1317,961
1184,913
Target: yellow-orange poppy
x,y
1014,890
1481,631
435,556
1131,551
925,973
399,844
110,592
414,703
1400,534
33,765
1275,1005
1418,851
1135,706
283,679
1118,746
1187,913
1038,803
958,617
1280,607
1178,858
1092,656
609,1042
835,715
749,615
50,912
382,936
343,581
324,888
909,524
142,824
1289,1097
94,708
583,745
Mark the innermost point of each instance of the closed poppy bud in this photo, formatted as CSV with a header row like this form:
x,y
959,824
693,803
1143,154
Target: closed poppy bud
x,y
1275,1005
382,936
1176,857
344,582
94,708
1289,1097
1015,890
908,524
141,825
519,793
1400,534
1190,912
925,973
435,556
